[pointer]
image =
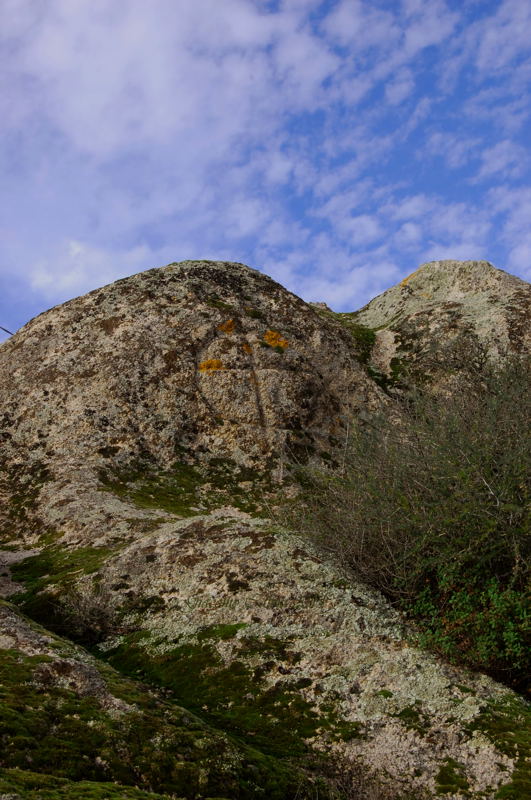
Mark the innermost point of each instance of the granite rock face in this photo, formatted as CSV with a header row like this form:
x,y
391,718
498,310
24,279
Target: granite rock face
x,y
146,430
448,316
214,359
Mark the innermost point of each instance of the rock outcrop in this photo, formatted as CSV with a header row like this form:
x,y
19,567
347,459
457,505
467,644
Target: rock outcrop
x,y
447,317
146,429
211,358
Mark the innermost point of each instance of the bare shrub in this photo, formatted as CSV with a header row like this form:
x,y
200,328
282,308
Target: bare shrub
x,y
432,508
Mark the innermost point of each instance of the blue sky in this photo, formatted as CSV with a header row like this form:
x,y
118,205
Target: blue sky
x,y
334,144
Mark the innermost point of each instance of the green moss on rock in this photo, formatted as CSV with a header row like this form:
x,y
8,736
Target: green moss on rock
x,y
412,717
27,785
363,336
508,725
49,596
155,746
275,719
451,780
181,490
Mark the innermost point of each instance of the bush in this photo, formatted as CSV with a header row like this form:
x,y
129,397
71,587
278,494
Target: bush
x,y
431,507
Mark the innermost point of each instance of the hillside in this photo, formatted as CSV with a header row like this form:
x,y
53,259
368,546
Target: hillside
x,y
447,316
149,429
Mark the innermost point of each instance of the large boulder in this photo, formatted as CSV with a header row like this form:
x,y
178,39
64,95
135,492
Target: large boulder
x,y
205,358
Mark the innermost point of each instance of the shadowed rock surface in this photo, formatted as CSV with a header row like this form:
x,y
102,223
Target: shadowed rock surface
x,y
145,430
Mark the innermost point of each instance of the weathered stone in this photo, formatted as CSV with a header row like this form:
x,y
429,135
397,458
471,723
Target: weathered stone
x,y
446,316
143,428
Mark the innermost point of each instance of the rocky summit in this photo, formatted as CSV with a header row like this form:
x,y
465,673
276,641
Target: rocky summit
x,y
161,634
446,316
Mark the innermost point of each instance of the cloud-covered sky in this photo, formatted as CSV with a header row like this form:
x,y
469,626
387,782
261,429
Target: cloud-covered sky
x,y
333,144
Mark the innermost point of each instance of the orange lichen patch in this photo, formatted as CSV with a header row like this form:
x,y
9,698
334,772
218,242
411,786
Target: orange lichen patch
x,y
406,280
274,339
246,347
210,365
227,327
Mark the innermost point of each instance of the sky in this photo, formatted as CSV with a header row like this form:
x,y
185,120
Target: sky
x,y
333,144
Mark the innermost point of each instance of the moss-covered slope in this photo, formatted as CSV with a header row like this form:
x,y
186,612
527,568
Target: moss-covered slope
x,y
66,715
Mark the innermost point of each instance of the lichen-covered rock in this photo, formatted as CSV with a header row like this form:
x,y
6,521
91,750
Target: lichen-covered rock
x,y
207,358
196,362
65,714
144,428
249,627
448,316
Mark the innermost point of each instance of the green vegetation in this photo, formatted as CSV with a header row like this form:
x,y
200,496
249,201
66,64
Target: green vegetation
x,y
277,348
450,778
231,696
174,491
508,725
50,597
57,565
364,337
155,746
215,302
432,508
413,719
221,632
186,490
364,340
36,786
396,378
254,313
50,729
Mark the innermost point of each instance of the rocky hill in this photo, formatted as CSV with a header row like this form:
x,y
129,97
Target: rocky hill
x,y
190,646
447,317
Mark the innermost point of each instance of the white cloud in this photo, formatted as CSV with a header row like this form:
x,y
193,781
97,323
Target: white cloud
x,y
291,134
520,257
418,115
513,207
361,229
431,24
503,36
504,107
357,23
411,208
278,167
77,267
504,158
457,151
408,235
244,217
342,204
515,204
355,287
458,222
455,249
115,81
303,63
400,87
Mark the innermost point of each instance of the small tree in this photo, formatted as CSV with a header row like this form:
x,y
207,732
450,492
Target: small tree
x,y
432,508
